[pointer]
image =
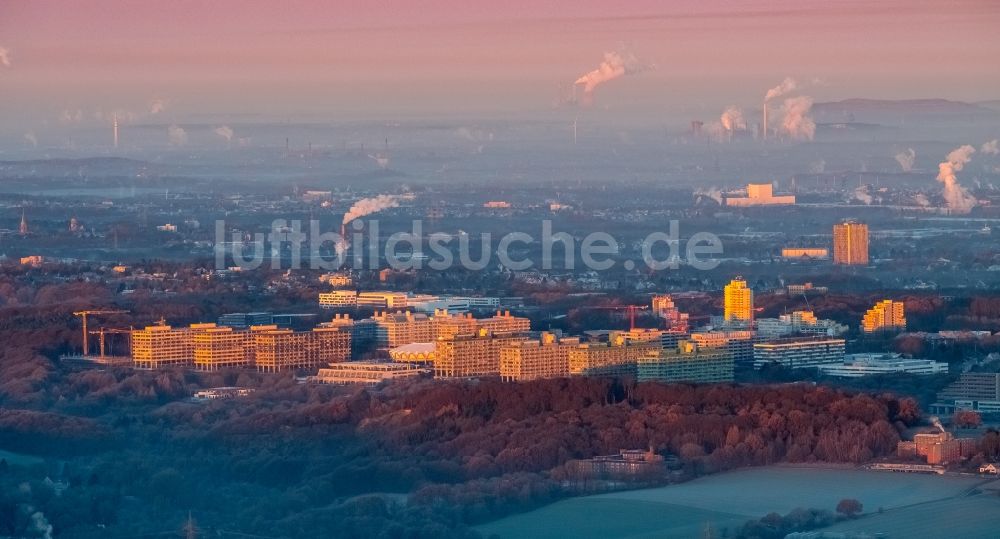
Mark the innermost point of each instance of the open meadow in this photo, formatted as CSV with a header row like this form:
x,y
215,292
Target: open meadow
x,y
728,500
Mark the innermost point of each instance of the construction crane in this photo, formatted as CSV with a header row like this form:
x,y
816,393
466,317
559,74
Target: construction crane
x,y
84,314
102,335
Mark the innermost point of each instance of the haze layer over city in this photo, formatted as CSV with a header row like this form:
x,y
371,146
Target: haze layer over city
x,y
499,270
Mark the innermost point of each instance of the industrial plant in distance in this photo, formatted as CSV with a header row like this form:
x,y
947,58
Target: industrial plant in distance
x,y
499,270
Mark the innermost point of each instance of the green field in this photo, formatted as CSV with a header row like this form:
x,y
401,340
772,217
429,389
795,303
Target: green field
x,y
728,500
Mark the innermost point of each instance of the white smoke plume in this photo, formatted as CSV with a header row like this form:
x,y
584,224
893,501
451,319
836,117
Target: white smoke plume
x,y
786,86
906,159
712,193
368,206
4,57
71,116
225,132
30,137
991,148
817,167
157,106
732,118
921,199
936,422
797,123
177,135
861,195
615,64
381,159
959,200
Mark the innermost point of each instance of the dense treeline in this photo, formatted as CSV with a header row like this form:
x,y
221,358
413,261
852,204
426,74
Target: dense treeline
x,y
294,458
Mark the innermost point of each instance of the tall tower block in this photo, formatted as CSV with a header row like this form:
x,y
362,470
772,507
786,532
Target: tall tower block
x,y
114,128
763,127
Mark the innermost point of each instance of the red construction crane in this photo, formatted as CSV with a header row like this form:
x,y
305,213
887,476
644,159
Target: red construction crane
x,y
84,314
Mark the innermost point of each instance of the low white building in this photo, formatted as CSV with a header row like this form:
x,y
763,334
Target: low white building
x,y
858,365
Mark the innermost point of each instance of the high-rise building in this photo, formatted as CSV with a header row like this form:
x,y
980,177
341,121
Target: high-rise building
x,y
663,307
738,301
799,353
886,315
686,363
404,327
546,357
277,350
470,356
218,348
617,357
850,244
739,343
161,346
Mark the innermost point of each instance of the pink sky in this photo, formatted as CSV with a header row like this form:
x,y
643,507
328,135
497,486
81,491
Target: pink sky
x,y
477,56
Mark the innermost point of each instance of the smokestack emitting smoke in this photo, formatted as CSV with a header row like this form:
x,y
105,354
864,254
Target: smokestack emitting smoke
x,y
763,127
936,422
797,122
4,57
906,159
615,64
991,148
225,132
787,85
732,118
177,135
368,206
959,200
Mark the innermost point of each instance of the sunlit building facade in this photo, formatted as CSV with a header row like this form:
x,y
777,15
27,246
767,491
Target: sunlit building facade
x,y
738,301
886,315
850,244
686,363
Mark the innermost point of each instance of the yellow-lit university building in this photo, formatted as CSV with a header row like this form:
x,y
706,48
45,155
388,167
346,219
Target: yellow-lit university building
x,y
688,362
886,315
209,347
850,244
546,357
738,300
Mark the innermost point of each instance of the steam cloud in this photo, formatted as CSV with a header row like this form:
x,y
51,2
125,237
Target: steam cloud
x,y
906,159
921,200
936,422
991,148
177,135
861,194
712,193
30,137
381,159
368,206
786,86
797,123
615,64
225,132
4,57
732,118
959,200
157,106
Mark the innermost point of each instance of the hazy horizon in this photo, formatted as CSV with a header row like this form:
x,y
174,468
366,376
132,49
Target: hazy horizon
x,y
78,64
